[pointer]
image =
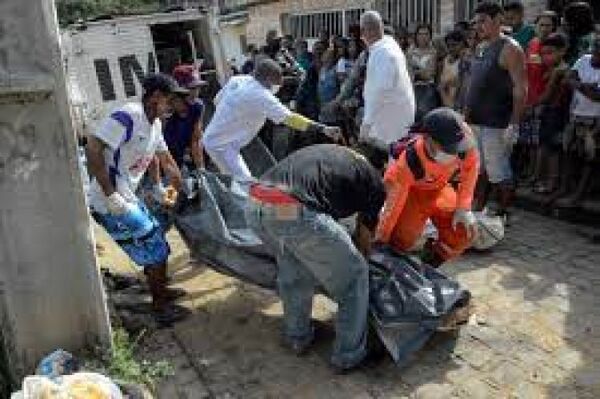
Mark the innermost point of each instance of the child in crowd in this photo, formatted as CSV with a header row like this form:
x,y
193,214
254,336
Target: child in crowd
x,y
580,140
527,155
422,65
328,86
554,111
449,81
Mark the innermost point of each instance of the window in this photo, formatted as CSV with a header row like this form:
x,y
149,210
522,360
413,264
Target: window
x,y
309,25
411,12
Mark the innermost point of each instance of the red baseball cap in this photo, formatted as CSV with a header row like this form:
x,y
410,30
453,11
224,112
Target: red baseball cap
x,y
188,76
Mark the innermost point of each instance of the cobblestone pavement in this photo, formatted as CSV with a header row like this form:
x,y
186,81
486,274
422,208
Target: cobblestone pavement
x,y
535,333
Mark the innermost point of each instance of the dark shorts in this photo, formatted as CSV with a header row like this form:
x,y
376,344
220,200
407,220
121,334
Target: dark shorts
x,y
553,122
528,129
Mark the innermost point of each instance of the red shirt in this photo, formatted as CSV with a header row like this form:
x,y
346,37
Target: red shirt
x,y
536,72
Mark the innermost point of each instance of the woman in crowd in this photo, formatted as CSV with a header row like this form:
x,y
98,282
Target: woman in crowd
x,y
422,65
307,99
403,38
347,58
464,67
328,86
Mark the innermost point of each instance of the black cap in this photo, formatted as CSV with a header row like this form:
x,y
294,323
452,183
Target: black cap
x,y
444,127
162,82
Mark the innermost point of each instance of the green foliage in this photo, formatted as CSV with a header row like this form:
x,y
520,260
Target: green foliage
x,y
123,364
70,11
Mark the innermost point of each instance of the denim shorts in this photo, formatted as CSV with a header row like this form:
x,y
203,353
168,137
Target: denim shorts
x,y
149,250
494,153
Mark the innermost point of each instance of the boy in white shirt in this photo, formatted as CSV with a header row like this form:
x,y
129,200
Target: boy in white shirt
x,y
119,153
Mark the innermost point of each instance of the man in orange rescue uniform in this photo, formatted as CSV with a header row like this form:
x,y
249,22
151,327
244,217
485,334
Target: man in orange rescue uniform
x,y
418,188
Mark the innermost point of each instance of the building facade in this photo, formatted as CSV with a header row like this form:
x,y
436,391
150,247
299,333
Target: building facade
x,y
304,18
184,3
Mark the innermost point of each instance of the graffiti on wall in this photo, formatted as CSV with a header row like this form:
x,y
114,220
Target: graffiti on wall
x,y
130,68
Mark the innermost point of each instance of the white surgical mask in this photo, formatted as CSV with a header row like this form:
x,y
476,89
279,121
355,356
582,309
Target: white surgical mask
x,y
275,88
443,157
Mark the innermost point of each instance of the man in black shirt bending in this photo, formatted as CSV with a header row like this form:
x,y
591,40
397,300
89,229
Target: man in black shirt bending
x,y
294,211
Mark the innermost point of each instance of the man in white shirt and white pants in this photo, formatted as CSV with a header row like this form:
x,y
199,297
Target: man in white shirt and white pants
x,y
242,107
388,92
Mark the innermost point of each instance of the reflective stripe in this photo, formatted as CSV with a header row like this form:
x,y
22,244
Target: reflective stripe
x,y
271,195
124,119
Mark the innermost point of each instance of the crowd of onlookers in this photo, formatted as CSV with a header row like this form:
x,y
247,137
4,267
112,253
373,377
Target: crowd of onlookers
x,y
555,150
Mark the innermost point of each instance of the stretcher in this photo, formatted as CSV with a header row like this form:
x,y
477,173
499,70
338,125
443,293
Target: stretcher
x,y
409,301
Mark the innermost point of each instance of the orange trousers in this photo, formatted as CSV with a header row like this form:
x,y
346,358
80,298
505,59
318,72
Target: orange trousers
x,y
439,206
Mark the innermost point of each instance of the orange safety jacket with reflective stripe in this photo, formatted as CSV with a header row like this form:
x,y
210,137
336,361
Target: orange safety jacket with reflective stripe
x,y
399,180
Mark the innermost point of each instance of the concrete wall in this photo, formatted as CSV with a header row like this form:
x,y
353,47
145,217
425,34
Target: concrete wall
x,y
230,35
50,289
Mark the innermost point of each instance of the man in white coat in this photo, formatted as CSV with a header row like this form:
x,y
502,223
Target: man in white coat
x,y
243,105
388,93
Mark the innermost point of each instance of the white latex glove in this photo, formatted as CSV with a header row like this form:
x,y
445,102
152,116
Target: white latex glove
x,y
166,196
116,204
468,220
159,193
365,128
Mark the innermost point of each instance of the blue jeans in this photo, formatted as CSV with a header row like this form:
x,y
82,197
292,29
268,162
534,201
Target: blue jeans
x,y
314,250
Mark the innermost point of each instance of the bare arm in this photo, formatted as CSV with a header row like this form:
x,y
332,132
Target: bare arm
x,y
553,85
514,62
196,145
589,90
97,166
170,167
154,170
